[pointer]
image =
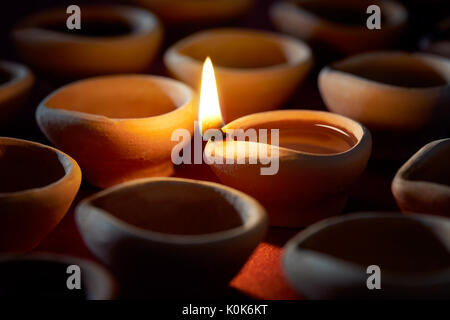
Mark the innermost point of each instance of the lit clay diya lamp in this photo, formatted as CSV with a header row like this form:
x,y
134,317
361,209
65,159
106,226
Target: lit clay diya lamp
x,y
180,12
45,276
112,39
16,81
118,128
165,234
339,25
37,185
331,259
387,90
320,155
256,71
423,183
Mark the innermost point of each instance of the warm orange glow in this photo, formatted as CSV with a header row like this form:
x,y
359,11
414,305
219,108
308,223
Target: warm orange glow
x,y
209,115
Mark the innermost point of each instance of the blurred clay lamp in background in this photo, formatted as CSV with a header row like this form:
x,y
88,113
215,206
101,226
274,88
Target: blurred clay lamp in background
x,y
256,70
182,12
16,81
114,39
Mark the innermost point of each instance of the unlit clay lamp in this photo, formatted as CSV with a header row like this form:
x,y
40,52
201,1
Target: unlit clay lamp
x,y
112,39
118,128
388,90
164,234
45,276
16,81
37,185
339,25
180,12
422,184
255,70
331,259
320,155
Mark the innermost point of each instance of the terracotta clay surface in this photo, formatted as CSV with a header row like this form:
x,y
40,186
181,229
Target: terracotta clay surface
x,y
388,90
16,81
150,227
317,165
339,25
112,39
422,184
118,128
44,276
179,12
37,185
247,80
329,259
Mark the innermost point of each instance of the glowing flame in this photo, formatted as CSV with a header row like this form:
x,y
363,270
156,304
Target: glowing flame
x,y
209,114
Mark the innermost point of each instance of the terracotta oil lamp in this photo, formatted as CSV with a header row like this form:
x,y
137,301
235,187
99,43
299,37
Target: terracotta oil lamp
x,y
316,158
256,70
112,39
320,156
165,234
387,90
331,259
182,12
37,185
339,25
16,80
422,184
401,97
44,276
118,128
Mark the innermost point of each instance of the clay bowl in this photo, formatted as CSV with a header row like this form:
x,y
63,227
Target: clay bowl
x,y
37,185
320,154
339,26
162,235
45,276
118,128
422,184
112,39
255,70
16,81
329,260
182,12
390,91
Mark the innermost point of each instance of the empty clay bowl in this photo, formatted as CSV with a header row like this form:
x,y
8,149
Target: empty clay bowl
x,y
161,235
255,70
422,184
112,39
45,276
393,91
118,128
16,81
339,25
330,259
195,11
37,185
320,154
